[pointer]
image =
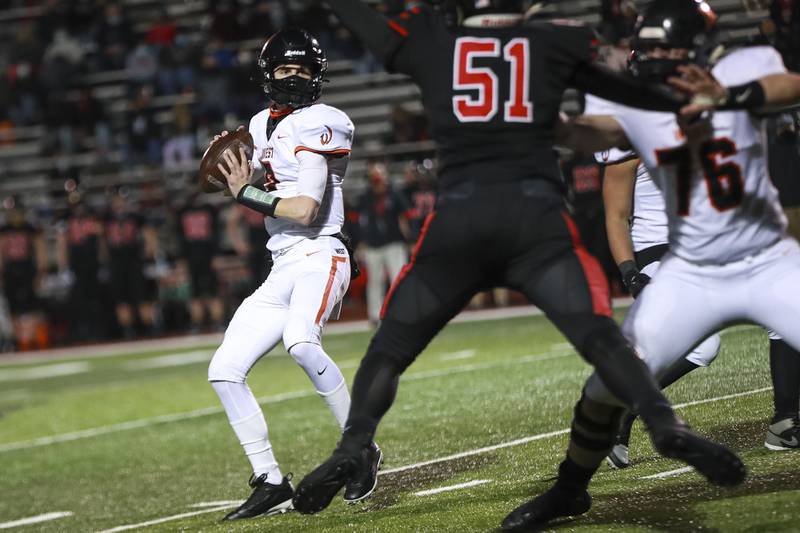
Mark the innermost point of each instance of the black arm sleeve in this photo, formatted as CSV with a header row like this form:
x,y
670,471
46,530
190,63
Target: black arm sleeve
x,y
600,81
371,27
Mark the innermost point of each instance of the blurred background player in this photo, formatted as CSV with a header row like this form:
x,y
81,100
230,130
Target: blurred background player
x,y
500,218
382,230
78,244
247,235
727,232
304,148
198,234
23,259
130,241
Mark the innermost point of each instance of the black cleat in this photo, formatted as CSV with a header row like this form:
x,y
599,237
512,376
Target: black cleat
x,y
363,480
317,489
266,498
715,462
555,503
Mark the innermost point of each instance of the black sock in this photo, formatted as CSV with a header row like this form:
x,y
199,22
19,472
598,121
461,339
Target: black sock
x,y
784,364
676,372
573,477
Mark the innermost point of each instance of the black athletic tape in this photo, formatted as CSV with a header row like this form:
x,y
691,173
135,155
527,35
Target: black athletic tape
x,y
746,96
258,200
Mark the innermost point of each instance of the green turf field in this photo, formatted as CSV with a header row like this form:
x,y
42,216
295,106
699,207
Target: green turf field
x,y
129,439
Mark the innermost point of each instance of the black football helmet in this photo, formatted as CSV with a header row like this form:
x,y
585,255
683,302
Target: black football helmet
x,y
297,47
689,24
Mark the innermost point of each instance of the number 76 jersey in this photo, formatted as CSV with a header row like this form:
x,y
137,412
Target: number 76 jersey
x,y
720,201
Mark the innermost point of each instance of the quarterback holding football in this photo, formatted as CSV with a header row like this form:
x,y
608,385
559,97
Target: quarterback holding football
x,y
303,148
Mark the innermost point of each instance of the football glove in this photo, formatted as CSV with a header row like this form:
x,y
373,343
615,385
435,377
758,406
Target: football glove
x,y
634,280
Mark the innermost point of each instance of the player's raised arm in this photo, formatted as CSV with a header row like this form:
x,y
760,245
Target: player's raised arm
x,y
772,91
597,79
371,27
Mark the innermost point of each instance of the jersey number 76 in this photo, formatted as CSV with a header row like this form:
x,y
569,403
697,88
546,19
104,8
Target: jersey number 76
x,y
466,76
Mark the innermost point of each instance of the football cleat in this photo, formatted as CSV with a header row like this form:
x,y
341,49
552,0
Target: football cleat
x,y
783,435
363,481
715,462
555,503
618,457
266,499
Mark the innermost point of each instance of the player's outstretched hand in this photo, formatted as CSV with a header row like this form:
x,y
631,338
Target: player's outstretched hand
x,y
704,90
238,172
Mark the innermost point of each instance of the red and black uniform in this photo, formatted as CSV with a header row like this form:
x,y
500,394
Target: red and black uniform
x,y
19,266
492,96
198,231
125,243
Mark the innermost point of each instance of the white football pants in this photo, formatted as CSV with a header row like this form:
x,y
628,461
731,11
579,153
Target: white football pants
x,y
294,303
686,302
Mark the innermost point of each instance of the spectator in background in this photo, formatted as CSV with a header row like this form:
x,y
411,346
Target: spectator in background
x,y
78,245
23,259
114,37
130,240
163,32
141,64
258,21
198,234
419,194
584,180
225,21
176,72
179,146
62,61
382,231
250,243
143,133
213,84
91,121
785,17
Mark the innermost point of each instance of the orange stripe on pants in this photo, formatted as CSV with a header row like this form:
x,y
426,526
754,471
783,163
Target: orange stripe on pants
x,y
331,276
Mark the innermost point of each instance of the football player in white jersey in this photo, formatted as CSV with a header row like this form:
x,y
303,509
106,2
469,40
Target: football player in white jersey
x,y
638,235
728,240
303,147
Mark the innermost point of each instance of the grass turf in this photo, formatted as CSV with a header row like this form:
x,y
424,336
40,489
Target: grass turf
x,y
155,441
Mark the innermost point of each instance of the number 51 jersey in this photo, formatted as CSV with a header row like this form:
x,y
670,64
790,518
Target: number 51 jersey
x,y
719,199
492,94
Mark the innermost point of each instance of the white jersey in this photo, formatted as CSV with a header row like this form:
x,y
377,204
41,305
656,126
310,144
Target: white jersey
x,y
318,128
720,203
649,224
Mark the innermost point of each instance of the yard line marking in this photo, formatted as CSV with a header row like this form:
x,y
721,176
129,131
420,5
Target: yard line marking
x,y
230,503
166,361
720,398
456,356
478,451
166,519
36,519
44,371
207,411
473,483
669,473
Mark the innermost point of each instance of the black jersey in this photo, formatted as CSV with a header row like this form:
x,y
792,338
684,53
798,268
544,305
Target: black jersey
x,y
492,95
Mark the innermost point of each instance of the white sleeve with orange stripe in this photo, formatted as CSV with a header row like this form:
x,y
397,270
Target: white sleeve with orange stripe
x,y
324,130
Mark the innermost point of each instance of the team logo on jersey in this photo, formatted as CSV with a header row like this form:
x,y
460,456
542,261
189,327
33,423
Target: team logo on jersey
x,y
326,136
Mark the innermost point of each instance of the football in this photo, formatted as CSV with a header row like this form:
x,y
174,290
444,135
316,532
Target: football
x,y
211,179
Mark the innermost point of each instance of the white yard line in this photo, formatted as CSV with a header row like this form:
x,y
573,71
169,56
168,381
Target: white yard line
x,y
473,483
669,473
35,519
44,371
167,519
477,451
231,503
167,361
457,356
